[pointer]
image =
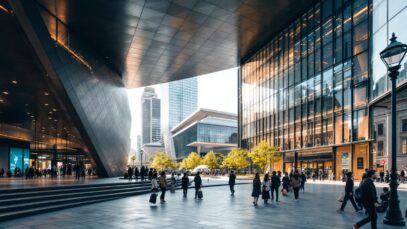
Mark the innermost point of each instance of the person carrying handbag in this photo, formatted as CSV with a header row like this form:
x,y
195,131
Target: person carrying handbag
x,y
266,188
154,189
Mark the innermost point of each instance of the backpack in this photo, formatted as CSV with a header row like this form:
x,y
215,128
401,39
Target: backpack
x,y
358,194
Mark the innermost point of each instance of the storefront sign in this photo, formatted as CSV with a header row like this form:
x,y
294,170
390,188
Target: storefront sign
x,y
345,160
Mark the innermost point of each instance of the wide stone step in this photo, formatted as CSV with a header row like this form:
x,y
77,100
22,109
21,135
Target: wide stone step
x,y
30,201
62,187
35,192
40,204
62,195
28,212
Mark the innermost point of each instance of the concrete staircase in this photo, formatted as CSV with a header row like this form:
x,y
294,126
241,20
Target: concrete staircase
x,y
15,203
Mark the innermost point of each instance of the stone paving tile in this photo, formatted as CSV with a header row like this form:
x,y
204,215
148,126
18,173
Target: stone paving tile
x,y
316,209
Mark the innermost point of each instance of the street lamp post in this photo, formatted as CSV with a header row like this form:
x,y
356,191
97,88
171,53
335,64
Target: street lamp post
x,y
392,57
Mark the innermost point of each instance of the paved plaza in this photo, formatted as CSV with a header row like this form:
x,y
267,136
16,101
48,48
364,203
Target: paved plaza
x,y
315,209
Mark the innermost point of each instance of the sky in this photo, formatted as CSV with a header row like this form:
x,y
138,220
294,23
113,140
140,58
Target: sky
x,y
216,91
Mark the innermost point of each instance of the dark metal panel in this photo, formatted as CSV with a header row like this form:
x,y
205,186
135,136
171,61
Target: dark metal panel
x,y
194,37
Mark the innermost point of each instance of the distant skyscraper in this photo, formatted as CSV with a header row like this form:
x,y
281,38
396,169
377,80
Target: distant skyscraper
x,y
151,116
183,99
182,96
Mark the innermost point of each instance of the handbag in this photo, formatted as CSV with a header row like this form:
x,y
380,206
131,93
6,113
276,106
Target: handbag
x,y
284,192
341,197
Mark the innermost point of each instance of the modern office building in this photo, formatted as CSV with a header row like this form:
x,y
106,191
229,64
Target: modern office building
x,y
151,116
312,89
203,131
388,17
310,78
180,101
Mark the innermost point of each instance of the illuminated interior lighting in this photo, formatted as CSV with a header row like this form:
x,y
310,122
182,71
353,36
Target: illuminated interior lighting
x,y
54,109
356,14
49,118
46,104
46,94
4,9
1,100
5,92
78,57
14,82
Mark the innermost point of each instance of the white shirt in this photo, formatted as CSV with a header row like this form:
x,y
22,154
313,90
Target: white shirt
x,y
154,183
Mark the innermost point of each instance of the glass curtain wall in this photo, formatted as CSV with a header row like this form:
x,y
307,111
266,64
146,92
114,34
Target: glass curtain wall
x,y
308,86
388,17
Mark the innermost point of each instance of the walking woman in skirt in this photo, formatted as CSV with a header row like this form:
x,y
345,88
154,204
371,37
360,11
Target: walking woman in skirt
x,y
256,189
265,195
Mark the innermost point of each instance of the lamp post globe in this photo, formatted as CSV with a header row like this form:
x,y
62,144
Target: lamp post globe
x,y
392,56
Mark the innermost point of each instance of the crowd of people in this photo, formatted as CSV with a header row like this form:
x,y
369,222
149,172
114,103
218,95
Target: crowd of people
x,y
32,172
268,188
160,183
365,197
143,173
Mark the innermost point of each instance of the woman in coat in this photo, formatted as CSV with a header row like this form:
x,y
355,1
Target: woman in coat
x,y
256,189
163,186
265,195
198,183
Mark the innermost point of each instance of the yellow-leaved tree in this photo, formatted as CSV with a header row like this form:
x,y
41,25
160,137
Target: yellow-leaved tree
x,y
133,158
162,161
263,155
236,159
192,161
211,160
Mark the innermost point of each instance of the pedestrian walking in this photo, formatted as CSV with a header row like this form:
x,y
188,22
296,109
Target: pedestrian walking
x,y
286,183
198,184
275,184
173,182
256,189
348,193
402,177
296,183
265,195
184,184
232,181
369,200
163,186
303,180
381,176
387,177
154,190
130,173
142,173
136,173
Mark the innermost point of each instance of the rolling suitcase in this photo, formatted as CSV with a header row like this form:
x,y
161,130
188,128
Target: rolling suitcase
x,y
200,194
153,198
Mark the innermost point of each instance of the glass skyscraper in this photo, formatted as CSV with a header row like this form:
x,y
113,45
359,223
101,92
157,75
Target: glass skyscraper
x,y
182,101
306,91
151,116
